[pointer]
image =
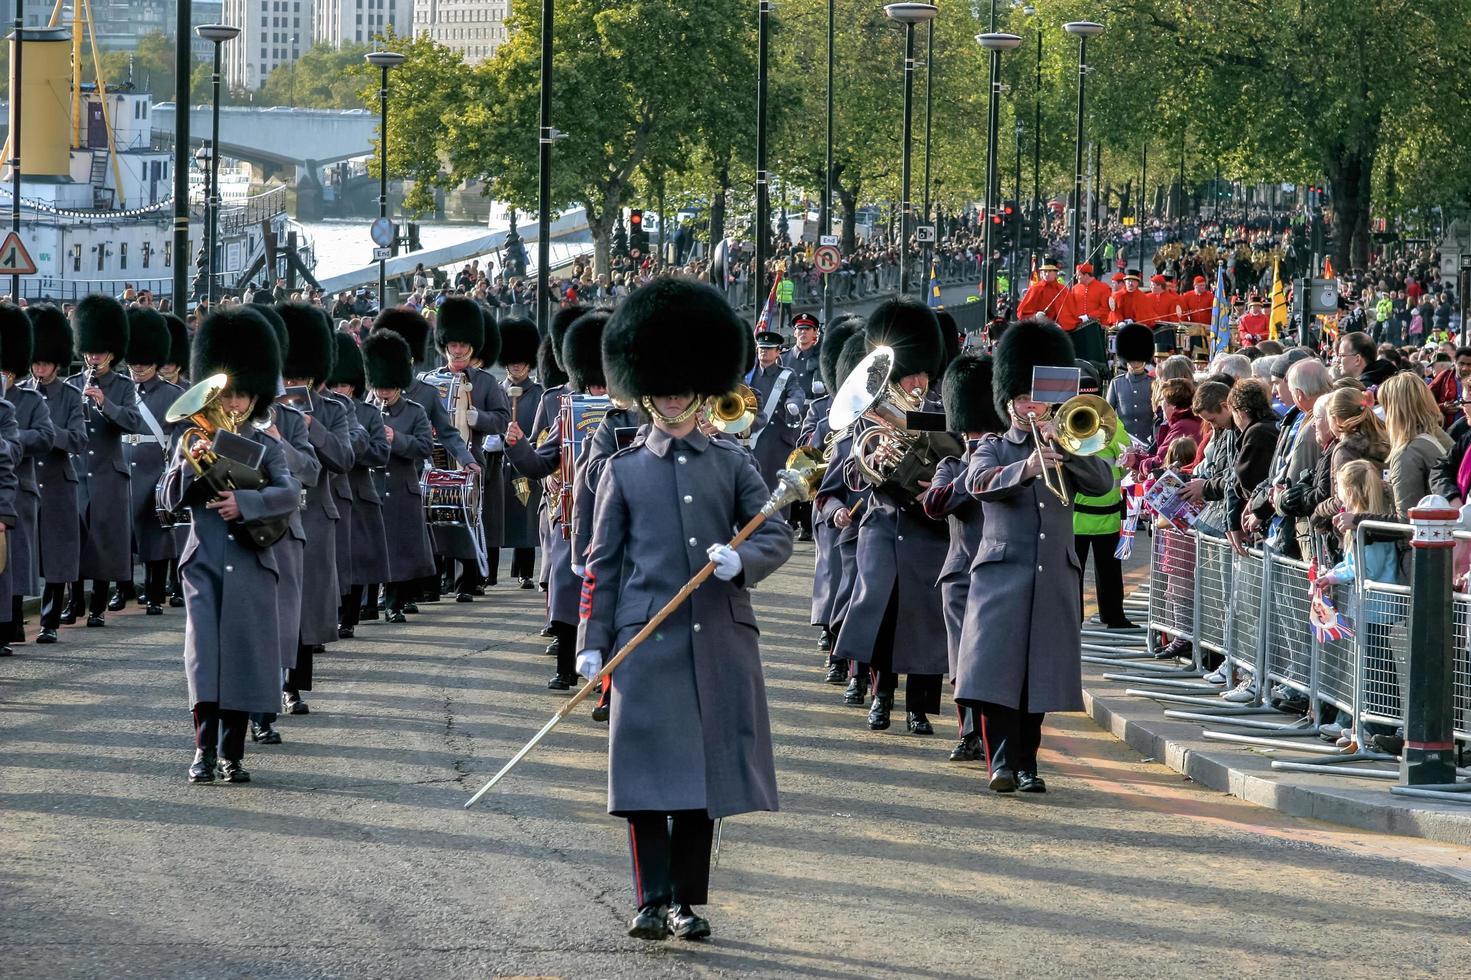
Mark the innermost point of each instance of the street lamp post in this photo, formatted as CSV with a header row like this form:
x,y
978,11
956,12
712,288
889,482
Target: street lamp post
x,y
546,138
383,60
184,63
826,223
1017,185
995,44
1083,30
908,14
762,227
1036,237
15,107
929,107
216,34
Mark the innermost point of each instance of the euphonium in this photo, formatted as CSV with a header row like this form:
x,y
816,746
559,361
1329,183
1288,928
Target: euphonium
x,y
201,405
734,412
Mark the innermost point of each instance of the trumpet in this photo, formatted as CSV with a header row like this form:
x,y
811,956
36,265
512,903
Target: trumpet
x,y
733,413
1084,425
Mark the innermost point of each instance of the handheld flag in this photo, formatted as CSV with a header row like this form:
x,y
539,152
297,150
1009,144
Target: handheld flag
x,y
1221,313
1278,322
768,312
934,301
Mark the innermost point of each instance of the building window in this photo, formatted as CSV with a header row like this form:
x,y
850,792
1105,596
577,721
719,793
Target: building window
x,y
168,254
101,256
122,255
76,258
147,253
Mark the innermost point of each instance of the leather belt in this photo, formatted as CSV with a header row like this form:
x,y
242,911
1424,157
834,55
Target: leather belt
x,y
136,440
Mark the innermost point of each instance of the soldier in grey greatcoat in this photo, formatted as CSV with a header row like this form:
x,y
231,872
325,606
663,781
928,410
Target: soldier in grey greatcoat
x,y
59,531
35,436
460,330
406,426
520,525
816,434
10,452
804,360
583,360
232,656
689,740
307,362
176,371
781,402
111,412
553,386
1020,652
148,347
367,558
895,622
970,410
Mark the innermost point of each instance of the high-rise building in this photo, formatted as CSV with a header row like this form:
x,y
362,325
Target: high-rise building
x,y
272,33
474,28
340,22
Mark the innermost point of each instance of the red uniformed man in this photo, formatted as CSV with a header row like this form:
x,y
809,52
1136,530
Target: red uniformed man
x,y
1089,298
1127,302
1195,308
1048,298
1254,324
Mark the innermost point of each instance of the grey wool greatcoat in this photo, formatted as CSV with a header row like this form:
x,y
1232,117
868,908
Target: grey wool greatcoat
x,y
60,527
328,434
521,524
145,466
948,497
900,554
689,727
595,455
804,365
368,539
842,562
357,441
231,592
546,421
35,435
103,491
1021,623
306,469
774,439
10,452
409,553
563,585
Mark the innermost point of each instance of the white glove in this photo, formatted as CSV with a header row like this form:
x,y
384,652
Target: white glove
x,y
471,415
727,561
818,388
793,410
579,570
589,662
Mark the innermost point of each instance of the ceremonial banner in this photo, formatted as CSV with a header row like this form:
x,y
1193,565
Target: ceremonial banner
x,y
1278,321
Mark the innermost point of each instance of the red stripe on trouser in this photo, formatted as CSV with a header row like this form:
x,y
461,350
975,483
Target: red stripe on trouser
x,y
985,741
638,877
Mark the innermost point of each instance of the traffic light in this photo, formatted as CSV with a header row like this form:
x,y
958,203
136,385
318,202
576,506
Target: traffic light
x,y
638,239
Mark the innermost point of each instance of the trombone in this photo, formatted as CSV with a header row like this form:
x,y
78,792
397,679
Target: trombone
x,y
1084,425
734,412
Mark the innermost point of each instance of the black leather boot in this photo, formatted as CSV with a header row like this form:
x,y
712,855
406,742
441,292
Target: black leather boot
x,y
878,712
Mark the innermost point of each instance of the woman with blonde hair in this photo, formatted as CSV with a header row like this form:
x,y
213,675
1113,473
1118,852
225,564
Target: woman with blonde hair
x,y
1417,441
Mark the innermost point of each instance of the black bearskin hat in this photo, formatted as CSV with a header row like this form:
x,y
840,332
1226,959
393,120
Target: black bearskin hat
x,y
15,341
949,339
262,297
1025,345
672,337
855,349
178,340
910,327
283,339
548,371
582,350
1135,342
561,320
387,360
240,342
833,339
459,320
102,326
148,337
309,345
347,366
970,405
409,325
519,341
52,337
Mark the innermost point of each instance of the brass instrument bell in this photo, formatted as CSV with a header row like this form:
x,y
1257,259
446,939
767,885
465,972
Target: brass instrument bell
x,y
201,405
733,412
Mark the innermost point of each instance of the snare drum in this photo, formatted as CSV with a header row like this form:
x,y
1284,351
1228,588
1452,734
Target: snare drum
x,y
451,497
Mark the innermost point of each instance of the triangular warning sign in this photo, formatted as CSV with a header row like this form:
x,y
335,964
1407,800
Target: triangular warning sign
x,y
14,259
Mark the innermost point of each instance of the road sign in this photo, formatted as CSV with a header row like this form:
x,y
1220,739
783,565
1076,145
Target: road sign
x,y
827,258
924,234
381,232
827,240
14,259
382,254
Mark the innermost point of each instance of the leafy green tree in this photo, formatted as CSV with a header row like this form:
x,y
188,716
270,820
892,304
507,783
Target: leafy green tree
x,y
324,77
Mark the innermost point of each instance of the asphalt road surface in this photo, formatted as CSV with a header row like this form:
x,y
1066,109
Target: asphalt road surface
x,y
350,856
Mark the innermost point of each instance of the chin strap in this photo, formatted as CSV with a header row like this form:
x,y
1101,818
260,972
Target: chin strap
x,y
680,419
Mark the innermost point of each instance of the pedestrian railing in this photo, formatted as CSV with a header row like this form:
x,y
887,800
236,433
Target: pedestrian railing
x,y
1252,614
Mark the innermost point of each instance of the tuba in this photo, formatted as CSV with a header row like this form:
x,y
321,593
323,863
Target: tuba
x,y
890,453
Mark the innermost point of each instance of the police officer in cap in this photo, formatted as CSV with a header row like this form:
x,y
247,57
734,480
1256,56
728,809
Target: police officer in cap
x,y
781,401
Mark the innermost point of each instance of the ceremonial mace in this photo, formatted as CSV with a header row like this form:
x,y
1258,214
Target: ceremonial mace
x,y
796,484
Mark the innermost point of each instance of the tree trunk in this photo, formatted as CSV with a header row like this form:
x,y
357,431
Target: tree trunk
x,y
848,201
717,203
601,227
1350,175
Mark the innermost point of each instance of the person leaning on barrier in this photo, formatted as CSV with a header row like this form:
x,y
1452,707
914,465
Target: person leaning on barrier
x,y
1218,453
1302,382
1252,416
1417,441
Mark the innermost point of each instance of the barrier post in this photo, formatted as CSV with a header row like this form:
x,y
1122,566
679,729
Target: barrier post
x,y
1429,752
